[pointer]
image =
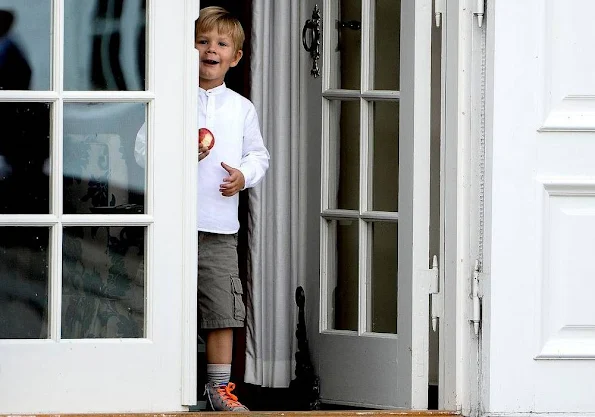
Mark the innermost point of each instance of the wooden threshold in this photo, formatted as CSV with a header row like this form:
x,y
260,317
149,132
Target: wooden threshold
x,y
350,413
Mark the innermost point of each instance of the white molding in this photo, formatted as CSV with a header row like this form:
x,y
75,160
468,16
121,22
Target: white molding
x,y
28,96
563,112
57,169
106,219
573,114
190,243
567,186
378,95
28,220
570,341
108,96
470,375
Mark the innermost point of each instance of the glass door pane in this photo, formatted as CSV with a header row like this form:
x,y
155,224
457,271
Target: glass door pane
x,y
343,290
384,278
386,45
25,158
101,174
107,52
346,44
24,282
344,154
25,42
385,156
103,290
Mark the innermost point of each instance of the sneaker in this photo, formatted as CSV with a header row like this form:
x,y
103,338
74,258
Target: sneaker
x,y
221,398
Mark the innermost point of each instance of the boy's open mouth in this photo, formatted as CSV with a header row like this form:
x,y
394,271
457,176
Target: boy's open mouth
x,y
210,61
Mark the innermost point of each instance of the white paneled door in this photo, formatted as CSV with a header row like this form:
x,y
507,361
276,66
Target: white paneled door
x,y
372,112
93,287
542,315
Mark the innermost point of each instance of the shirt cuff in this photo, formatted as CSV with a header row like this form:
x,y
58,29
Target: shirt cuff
x,y
247,172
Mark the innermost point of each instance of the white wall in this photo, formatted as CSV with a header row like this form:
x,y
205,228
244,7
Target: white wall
x,y
540,332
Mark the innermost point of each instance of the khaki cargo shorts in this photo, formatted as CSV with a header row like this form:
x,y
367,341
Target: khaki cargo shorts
x,y
220,303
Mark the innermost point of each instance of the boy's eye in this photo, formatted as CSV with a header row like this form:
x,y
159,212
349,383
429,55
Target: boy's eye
x,y
201,42
222,44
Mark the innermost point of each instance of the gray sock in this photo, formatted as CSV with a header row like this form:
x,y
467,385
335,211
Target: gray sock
x,y
218,373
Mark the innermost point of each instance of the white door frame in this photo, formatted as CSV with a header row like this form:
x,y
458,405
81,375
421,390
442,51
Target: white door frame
x,y
460,369
190,243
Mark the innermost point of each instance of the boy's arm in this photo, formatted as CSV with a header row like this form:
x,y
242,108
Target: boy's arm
x,y
255,157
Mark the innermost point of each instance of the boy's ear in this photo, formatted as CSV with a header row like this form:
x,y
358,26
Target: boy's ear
x,y
237,58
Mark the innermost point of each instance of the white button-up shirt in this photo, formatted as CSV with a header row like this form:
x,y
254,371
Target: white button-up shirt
x,y
238,142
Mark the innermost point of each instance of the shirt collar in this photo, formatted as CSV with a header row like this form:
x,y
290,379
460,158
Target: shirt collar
x,y
213,91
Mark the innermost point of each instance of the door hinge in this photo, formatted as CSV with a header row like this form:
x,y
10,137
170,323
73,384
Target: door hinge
x,y
477,296
439,10
436,301
479,11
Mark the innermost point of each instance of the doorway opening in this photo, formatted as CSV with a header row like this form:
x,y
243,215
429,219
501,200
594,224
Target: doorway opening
x,y
386,124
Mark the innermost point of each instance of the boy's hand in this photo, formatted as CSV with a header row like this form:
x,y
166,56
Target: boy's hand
x,y
203,151
232,184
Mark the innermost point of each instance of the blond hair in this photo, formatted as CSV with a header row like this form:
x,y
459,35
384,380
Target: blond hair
x,y
215,17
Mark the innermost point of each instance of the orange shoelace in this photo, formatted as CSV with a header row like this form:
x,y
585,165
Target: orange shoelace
x,y
225,392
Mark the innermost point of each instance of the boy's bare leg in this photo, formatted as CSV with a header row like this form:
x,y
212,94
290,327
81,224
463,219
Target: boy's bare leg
x,y
219,355
219,346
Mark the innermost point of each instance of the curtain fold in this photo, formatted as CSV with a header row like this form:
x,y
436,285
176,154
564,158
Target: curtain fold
x,y
273,220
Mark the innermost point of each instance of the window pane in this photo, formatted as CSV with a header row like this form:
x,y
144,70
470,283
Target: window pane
x,y
347,52
384,277
104,45
343,274
344,155
25,38
101,174
24,278
386,45
24,158
103,290
385,156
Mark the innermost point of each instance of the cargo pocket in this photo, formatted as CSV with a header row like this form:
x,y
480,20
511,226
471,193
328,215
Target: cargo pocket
x,y
239,310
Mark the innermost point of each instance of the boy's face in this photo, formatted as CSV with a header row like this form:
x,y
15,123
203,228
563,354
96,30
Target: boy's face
x,y
217,55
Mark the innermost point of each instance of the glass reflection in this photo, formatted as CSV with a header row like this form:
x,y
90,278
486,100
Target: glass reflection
x,y
103,290
104,45
24,276
24,158
25,44
100,171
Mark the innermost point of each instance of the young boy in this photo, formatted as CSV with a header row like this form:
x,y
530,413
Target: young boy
x,y
237,161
